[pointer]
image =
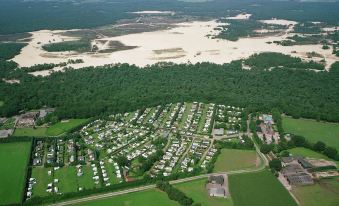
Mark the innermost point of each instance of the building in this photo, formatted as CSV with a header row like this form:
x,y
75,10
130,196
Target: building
x,y
300,179
219,132
27,119
217,186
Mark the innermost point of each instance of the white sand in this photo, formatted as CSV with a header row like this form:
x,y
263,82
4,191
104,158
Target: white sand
x,y
279,22
154,12
240,16
185,43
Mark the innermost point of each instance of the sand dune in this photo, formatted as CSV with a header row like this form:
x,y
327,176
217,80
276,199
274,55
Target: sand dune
x,y
187,42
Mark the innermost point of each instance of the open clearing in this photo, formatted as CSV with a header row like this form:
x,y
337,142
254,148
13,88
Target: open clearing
x,y
197,191
233,159
259,189
314,131
54,130
13,158
152,197
177,44
324,193
62,127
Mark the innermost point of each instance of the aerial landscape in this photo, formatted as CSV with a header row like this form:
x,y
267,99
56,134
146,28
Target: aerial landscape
x,y
169,102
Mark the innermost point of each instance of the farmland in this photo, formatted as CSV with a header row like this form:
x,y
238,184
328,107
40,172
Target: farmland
x,y
313,130
197,191
232,159
260,188
152,197
37,132
14,158
324,193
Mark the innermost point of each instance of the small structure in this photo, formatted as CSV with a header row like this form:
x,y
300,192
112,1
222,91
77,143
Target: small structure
x,y
217,186
6,133
27,119
218,132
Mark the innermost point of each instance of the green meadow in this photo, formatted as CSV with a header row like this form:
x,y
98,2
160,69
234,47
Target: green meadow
x,y
324,193
14,160
259,189
234,159
314,131
151,197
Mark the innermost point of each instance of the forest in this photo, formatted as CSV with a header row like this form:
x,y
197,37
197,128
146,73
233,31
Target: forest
x,y
90,92
18,16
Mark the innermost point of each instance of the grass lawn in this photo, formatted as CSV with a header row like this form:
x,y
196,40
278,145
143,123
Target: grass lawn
x,y
234,159
151,197
62,127
43,179
259,189
85,181
67,177
313,130
197,191
54,130
38,132
324,193
304,152
14,159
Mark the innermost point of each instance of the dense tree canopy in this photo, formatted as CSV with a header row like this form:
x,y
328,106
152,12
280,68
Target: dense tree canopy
x,y
92,91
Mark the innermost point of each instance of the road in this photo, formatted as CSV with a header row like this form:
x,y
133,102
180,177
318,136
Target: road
x,y
262,165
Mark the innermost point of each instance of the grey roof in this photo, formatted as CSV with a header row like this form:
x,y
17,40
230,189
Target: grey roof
x,y
217,192
217,179
218,131
300,179
292,169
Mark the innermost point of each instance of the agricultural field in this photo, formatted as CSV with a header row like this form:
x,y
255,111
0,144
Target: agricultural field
x,y
313,130
324,193
14,159
152,197
233,159
259,189
197,191
54,130
304,152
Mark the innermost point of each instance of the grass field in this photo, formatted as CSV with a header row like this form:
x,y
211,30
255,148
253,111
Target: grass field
x,y
14,159
62,127
38,132
304,152
152,197
67,179
259,189
324,193
54,130
197,191
43,179
233,159
313,130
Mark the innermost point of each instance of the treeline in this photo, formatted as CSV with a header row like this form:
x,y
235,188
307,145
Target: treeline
x,y
174,193
10,50
91,92
268,60
235,28
79,45
43,67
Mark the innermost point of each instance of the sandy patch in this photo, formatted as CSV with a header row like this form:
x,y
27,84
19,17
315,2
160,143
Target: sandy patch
x,y
186,42
279,22
240,16
154,12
